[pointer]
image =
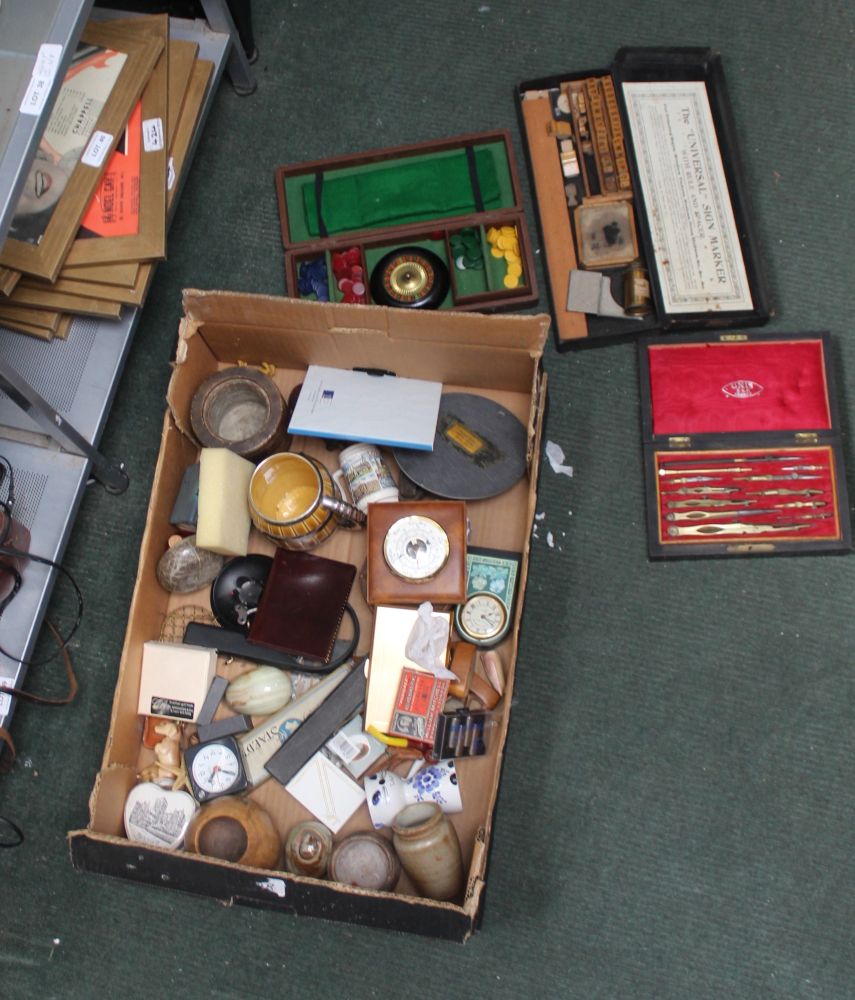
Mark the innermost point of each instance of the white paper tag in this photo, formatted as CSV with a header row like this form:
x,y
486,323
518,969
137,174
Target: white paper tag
x,y
152,132
44,70
343,747
97,149
170,174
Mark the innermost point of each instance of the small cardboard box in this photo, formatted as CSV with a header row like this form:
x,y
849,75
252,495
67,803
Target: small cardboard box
x,y
498,357
644,213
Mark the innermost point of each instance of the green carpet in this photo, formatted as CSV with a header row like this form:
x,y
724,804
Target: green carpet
x,y
677,811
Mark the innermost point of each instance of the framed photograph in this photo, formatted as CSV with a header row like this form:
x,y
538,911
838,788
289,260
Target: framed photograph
x,y
8,280
108,72
47,298
126,217
43,320
605,230
493,570
131,280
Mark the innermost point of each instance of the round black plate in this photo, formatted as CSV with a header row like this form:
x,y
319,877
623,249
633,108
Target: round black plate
x,y
411,278
479,450
236,591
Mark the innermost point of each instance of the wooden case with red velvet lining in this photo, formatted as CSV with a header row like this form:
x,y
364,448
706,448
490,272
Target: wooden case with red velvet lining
x,y
742,449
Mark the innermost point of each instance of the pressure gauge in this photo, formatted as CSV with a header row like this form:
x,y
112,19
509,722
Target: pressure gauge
x,y
482,619
215,768
416,548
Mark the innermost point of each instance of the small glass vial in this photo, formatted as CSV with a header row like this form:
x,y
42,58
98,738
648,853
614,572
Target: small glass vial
x,y
429,850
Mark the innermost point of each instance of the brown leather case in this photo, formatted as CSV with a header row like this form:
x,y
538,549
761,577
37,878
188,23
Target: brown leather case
x,y
302,604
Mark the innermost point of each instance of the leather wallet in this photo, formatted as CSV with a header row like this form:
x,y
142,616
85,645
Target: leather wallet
x,y
302,604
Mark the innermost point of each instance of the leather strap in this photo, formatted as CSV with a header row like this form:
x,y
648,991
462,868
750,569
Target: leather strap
x,y
37,699
7,759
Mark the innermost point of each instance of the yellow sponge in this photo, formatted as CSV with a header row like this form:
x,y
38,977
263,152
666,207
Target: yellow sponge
x,y
223,522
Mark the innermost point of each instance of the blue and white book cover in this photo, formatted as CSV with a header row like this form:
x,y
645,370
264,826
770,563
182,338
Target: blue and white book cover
x,y
377,409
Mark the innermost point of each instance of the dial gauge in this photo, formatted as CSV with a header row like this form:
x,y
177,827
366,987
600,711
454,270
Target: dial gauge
x,y
416,548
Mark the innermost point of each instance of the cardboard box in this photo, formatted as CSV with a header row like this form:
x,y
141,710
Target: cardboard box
x,y
642,203
499,357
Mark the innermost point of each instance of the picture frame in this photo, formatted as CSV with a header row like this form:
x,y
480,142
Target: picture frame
x,y
90,113
125,219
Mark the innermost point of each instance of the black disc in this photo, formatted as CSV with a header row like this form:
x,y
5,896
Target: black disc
x,y
236,591
411,278
479,450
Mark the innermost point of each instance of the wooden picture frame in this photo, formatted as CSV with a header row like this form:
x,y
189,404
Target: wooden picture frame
x,y
42,254
128,276
121,224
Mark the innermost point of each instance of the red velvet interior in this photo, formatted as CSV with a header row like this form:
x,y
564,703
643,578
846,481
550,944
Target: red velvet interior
x,y
761,386
747,495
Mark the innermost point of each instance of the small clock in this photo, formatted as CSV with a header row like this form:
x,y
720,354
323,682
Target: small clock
x,y
215,768
482,619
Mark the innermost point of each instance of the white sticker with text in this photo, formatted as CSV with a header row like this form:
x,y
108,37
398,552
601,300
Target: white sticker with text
x,y
99,146
170,174
44,70
152,131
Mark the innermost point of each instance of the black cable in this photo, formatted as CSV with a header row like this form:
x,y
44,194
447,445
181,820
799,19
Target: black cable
x,y
6,506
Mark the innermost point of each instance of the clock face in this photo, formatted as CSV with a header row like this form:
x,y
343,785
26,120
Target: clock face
x,y
215,769
416,548
483,617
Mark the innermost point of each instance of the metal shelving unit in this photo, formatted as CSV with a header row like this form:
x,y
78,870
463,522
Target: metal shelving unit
x,y
75,379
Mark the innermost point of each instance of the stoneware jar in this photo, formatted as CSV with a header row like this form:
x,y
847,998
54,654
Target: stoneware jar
x,y
429,851
307,849
365,859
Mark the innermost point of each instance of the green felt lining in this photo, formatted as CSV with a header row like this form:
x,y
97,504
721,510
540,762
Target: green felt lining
x,y
404,191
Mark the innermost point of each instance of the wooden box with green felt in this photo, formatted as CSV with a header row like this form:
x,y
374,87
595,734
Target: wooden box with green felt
x,y
433,225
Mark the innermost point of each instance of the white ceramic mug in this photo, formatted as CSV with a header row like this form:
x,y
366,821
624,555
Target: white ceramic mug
x,y
366,476
387,793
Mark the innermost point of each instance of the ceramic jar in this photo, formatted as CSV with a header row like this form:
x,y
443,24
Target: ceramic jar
x,y
365,859
307,849
427,846
387,793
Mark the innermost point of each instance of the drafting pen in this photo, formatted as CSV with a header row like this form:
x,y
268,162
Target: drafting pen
x,y
721,468
740,458
737,528
700,490
678,504
707,515
784,493
696,479
766,479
